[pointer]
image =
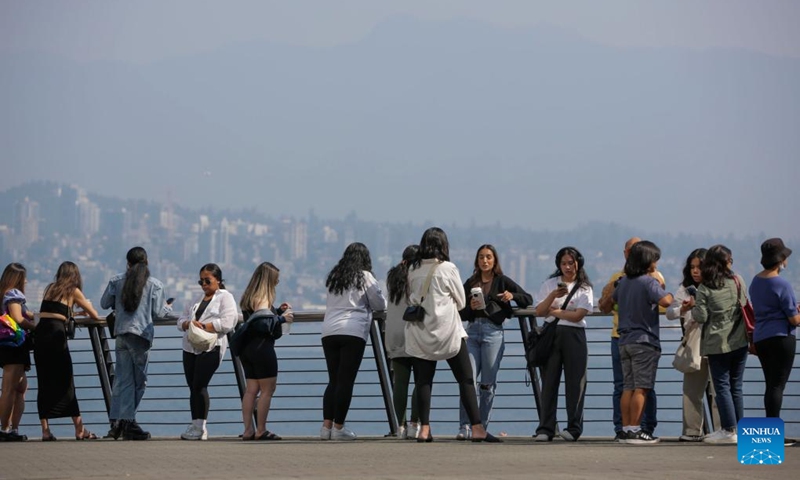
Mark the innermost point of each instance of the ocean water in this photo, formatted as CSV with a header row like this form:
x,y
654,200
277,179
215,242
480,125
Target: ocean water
x,y
297,405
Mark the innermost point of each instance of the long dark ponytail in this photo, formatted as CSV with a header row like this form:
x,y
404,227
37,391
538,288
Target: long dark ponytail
x,y
397,278
135,279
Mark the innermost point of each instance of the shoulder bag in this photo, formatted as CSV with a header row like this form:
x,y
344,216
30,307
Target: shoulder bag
x,y
415,313
539,344
748,316
687,357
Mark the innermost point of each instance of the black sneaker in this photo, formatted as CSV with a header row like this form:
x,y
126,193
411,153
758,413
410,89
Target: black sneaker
x,y
132,431
642,438
13,436
116,430
621,437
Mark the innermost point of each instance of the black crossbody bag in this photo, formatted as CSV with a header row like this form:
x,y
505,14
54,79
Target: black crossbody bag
x,y
539,344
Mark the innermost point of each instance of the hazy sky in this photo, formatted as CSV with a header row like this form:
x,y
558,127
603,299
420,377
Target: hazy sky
x,y
148,30
643,112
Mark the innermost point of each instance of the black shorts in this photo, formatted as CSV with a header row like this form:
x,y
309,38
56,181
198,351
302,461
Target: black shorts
x,y
16,356
259,359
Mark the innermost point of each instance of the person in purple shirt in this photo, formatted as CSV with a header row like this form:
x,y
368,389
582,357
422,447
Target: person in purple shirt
x,y
777,317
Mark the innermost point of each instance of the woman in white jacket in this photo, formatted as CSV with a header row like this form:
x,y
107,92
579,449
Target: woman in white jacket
x,y
695,383
214,313
440,335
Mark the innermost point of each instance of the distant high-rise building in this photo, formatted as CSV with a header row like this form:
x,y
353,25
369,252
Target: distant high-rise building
x,y
299,241
225,251
88,216
27,222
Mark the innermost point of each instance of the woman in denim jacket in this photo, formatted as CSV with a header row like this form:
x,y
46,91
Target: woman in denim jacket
x,y
216,313
724,341
137,298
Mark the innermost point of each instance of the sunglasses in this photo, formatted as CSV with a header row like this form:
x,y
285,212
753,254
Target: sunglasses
x,y
204,281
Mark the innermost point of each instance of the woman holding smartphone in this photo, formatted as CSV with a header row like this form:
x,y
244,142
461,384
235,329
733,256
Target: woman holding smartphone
x,y
566,297
490,294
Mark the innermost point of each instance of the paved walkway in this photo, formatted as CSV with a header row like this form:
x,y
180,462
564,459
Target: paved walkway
x,y
229,458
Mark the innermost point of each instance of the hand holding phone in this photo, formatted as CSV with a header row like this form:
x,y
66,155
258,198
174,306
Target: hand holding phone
x,y
476,299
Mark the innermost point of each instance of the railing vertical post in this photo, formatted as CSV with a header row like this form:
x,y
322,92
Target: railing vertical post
x,y
238,370
103,361
383,375
525,328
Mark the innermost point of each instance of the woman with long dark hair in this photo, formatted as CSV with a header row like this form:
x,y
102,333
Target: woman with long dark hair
x,y
263,325
696,383
56,395
136,298
397,287
353,294
214,313
777,317
486,339
440,335
566,297
724,340
15,360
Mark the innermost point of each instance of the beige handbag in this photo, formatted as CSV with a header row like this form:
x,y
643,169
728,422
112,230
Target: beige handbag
x,y
687,357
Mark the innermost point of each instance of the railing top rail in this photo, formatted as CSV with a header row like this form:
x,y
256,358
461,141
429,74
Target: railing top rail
x,y
307,316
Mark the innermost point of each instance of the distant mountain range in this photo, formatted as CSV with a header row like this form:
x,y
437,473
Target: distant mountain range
x,y
449,121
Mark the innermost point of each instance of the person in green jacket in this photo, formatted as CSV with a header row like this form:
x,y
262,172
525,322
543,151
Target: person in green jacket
x,y
717,308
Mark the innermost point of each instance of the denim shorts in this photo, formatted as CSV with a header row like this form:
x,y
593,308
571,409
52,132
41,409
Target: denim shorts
x,y
639,365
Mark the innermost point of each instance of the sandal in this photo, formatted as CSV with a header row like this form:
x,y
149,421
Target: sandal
x,y
248,438
49,437
86,435
269,436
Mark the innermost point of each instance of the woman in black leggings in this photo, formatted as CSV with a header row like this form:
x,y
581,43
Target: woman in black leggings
x,y
215,313
434,284
353,293
777,317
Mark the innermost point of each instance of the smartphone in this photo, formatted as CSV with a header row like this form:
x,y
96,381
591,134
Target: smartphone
x,y
477,293
170,300
562,285
691,290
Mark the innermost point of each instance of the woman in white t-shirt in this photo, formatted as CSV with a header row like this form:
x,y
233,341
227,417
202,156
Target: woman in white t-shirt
x,y
570,353
353,294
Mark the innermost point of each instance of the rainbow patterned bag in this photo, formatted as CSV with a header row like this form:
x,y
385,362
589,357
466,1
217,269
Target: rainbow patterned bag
x,y
11,334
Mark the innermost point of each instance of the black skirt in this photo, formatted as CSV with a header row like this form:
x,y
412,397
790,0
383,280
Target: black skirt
x,y
56,393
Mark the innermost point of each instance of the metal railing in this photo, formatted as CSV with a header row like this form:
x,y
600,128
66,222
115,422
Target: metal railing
x,y
297,404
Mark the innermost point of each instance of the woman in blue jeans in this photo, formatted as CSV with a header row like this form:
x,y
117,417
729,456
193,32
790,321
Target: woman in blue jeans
x,y
486,341
137,298
716,307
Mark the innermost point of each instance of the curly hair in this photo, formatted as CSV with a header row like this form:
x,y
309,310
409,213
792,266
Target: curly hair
x,y
716,267
349,272
699,253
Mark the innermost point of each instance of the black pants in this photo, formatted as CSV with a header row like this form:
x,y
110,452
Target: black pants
x,y
424,370
569,355
198,370
343,354
776,355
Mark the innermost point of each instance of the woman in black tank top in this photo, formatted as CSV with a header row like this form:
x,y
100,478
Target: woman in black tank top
x,y
56,394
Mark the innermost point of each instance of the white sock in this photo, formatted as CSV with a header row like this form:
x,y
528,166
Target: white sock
x,y
630,428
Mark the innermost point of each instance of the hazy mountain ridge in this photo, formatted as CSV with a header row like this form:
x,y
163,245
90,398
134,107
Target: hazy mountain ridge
x,y
418,106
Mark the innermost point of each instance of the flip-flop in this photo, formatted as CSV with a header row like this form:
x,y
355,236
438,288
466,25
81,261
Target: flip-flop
x,y
86,435
49,438
269,436
248,438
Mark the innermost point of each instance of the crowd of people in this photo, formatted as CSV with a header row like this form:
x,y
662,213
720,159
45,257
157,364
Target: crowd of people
x,y
431,315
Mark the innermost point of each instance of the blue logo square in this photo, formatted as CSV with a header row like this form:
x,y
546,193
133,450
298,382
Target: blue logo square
x,y
760,441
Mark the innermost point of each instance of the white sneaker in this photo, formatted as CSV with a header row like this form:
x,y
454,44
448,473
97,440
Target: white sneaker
x,y
412,431
464,433
324,433
542,437
342,434
401,432
722,437
195,433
